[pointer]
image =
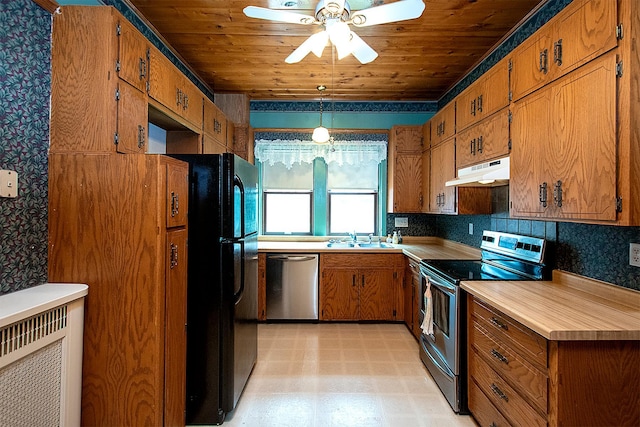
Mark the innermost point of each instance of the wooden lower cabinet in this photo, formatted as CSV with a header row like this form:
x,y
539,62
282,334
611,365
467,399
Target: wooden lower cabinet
x,y
517,377
360,286
118,223
411,285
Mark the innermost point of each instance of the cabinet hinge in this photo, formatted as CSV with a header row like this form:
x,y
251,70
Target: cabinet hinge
x,y
117,95
619,32
510,65
510,117
115,138
619,69
618,204
118,29
118,66
509,144
510,95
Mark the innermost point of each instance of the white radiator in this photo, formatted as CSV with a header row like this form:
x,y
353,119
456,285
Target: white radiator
x,y
41,355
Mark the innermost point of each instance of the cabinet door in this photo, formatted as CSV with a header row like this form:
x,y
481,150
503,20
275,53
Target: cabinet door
x,y
132,119
407,183
177,195
189,101
175,359
443,124
582,146
133,56
407,138
426,180
211,146
487,95
215,122
339,294
487,140
376,294
162,79
443,198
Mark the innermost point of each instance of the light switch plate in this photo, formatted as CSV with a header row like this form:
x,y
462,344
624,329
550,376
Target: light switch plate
x,y
634,254
402,222
8,183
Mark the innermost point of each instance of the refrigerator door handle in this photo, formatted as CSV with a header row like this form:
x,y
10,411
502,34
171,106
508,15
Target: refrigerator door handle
x,y
238,183
238,295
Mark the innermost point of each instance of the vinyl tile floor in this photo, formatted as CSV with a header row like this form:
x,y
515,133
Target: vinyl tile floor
x,y
340,374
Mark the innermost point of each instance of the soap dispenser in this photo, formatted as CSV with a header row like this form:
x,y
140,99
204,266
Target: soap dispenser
x,y
394,239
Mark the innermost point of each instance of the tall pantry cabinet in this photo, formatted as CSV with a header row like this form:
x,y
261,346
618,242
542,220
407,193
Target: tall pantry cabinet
x,y
117,222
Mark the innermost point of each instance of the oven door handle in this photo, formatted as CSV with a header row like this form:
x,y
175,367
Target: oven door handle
x,y
442,369
451,290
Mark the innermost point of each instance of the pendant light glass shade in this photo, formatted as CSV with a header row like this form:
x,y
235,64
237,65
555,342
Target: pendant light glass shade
x,y
320,135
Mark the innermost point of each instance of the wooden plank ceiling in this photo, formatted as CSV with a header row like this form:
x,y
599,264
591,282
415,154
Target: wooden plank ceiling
x,y
418,59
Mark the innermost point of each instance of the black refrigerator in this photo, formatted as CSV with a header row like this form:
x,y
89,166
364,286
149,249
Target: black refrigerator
x,y
222,295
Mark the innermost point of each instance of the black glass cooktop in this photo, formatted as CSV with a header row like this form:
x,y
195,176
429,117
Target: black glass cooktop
x,y
456,270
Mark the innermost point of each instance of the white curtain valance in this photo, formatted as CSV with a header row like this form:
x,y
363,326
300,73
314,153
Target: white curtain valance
x,y
295,150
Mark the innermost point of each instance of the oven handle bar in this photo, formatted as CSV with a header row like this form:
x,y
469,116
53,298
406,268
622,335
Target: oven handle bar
x,y
441,284
442,369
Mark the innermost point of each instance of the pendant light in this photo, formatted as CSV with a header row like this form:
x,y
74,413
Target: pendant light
x,y
320,134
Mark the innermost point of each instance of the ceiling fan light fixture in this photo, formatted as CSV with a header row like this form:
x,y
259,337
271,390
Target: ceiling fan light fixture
x,y
318,43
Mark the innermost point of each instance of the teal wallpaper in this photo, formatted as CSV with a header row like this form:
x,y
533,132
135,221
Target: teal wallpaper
x,y
25,82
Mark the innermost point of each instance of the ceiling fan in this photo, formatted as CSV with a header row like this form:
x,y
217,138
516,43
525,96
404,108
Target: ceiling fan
x,y
334,16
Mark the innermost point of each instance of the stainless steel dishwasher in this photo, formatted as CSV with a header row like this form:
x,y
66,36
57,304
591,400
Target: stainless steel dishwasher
x,y
292,287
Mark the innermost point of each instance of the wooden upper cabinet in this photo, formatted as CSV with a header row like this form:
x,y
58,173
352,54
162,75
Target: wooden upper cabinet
x,y
133,62
584,30
443,124
215,122
404,169
484,97
487,140
442,199
131,131
563,158
169,87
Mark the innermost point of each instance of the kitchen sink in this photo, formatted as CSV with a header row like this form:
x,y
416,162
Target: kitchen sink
x,y
345,245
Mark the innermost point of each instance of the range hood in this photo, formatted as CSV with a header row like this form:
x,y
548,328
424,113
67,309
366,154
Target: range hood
x,y
492,173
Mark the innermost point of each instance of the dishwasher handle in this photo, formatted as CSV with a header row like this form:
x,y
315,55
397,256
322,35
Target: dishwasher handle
x,y
292,258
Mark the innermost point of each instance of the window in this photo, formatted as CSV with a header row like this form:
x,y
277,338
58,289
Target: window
x,y
352,197
287,198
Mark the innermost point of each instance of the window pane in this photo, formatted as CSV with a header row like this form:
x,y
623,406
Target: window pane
x,y
361,176
278,177
351,212
287,213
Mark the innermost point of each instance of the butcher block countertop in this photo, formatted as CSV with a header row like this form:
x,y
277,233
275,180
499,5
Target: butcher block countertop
x,y
415,247
567,308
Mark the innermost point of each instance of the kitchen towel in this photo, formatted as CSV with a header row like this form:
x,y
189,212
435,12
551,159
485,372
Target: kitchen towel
x,y
427,323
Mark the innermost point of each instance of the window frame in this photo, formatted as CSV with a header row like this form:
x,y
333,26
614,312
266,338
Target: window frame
x,y
357,192
265,193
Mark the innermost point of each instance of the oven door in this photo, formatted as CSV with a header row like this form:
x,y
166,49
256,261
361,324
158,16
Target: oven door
x,y
446,319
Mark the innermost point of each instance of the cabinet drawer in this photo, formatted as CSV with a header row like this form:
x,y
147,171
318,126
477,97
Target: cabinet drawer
x,y
529,344
487,140
483,410
177,194
510,365
502,395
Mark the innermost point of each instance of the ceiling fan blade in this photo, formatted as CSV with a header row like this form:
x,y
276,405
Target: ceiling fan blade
x,y
361,50
278,15
315,44
392,12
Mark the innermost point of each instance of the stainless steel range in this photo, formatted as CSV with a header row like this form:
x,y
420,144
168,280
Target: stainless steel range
x,y
443,341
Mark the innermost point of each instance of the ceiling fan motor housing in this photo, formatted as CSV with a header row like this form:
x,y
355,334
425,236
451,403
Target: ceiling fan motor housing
x,y
332,9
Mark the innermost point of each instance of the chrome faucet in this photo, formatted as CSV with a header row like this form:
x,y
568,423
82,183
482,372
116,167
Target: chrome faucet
x,y
370,238
353,236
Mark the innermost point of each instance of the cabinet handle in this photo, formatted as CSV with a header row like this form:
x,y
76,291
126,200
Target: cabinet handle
x,y
472,147
480,139
141,136
499,323
495,353
353,281
543,194
493,424
473,108
178,96
557,193
143,68
557,52
543,61
174,256
363,280
480,104
499,393
174,204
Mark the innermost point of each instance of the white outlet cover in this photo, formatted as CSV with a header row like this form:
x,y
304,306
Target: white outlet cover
x,y
402,222
8,183
634,254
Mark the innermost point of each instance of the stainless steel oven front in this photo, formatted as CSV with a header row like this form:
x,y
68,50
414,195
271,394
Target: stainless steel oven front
x,y
440,351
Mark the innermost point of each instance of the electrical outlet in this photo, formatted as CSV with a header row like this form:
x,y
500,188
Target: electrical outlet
x,y
634,254
470,228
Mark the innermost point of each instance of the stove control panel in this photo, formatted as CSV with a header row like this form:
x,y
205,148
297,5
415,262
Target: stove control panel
x,y
521,247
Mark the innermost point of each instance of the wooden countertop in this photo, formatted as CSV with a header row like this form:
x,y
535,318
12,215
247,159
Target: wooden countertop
x,y
416,248
567,308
